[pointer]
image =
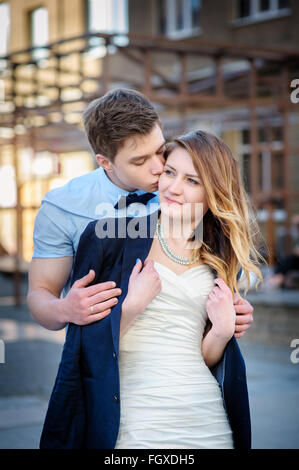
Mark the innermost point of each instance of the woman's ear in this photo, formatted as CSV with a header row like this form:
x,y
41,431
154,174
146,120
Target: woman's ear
x,y
104,162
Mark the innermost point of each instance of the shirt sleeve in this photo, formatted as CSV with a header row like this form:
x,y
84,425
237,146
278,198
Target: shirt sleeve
x,y
51,236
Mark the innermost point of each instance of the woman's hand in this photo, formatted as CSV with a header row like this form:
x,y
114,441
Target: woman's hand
x,y
221,311
144,285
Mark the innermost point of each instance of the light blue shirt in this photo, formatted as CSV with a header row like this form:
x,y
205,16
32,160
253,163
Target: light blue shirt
x,y
66,211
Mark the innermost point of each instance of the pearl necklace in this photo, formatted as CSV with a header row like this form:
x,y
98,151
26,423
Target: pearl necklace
x,y
167,250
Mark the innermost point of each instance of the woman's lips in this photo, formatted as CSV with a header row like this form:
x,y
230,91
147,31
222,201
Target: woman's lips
x,y
171,201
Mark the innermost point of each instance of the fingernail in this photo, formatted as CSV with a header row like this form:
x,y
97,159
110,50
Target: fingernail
x,y
138,259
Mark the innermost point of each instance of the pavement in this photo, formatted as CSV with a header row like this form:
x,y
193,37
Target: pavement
x,y
32,355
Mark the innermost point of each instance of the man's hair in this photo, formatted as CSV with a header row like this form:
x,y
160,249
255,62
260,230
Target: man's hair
x,y
114,117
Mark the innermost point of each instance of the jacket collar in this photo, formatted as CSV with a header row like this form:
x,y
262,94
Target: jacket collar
x,y
134,248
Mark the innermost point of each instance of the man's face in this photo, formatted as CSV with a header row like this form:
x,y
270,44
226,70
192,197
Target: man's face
x,y
139,162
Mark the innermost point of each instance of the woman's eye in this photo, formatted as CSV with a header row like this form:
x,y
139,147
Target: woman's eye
x,y
168,172
191,180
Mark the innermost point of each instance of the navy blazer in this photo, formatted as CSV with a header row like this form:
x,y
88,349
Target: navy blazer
x,y
84,407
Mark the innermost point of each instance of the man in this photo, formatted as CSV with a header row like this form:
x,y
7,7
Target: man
x,y
125,134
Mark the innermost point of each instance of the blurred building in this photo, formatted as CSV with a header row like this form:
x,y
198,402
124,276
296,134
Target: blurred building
x,y
226,66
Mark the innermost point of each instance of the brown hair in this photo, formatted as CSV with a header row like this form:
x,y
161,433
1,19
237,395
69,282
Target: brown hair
x,y
230,231
114,117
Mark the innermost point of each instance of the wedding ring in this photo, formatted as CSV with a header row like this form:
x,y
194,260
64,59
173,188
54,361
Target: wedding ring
x,y
91,309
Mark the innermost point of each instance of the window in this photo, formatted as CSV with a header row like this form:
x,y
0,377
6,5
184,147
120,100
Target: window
x,y
243,8
161,15
283,4
4,28
264,5
255,10
179,18
107,16
270,160
39,28
195,14
270,171
245,136
277,170
246,171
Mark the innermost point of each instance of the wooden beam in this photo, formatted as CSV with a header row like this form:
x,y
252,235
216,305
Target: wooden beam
x,y
126,51
219,78
147,72
285,152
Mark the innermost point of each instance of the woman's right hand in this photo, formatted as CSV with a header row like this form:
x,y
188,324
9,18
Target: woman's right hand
x,y
144,285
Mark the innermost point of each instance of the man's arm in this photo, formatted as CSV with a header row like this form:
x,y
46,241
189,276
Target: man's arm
x,y
47,277
50,269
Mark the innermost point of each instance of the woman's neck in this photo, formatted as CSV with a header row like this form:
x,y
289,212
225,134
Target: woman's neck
x,y
177,231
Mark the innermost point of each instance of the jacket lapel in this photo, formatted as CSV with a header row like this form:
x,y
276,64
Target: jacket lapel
x,y
135,247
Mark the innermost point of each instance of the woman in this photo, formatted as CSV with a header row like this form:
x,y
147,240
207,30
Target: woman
x,y
173,321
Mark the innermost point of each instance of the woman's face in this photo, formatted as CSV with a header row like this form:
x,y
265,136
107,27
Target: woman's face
x,y
180,187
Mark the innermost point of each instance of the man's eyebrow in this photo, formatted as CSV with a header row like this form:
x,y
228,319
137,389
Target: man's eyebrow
x,y
186,174
145,156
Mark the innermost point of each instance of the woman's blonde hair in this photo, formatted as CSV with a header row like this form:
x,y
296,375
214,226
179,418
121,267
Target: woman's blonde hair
x,y
230,231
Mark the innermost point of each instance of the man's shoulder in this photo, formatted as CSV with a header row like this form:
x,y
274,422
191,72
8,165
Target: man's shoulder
x,y
77,197
72,189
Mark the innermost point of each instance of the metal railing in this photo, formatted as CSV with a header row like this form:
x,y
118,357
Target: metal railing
x,y
45,94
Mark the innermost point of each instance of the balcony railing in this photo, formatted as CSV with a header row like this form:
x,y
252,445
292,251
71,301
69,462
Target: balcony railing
x,y
44,94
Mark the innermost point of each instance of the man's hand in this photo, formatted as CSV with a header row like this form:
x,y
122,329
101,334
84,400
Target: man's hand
x,y
244,315
84,305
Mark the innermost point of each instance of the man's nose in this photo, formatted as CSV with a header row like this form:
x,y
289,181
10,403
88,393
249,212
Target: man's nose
x,y
158,165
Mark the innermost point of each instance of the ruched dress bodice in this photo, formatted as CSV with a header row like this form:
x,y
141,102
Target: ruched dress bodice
x,y
169,397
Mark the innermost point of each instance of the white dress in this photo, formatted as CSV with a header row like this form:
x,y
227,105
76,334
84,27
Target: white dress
x,y
168,397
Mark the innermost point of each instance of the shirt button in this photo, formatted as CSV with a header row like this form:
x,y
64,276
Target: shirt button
x,y
114,355
116,398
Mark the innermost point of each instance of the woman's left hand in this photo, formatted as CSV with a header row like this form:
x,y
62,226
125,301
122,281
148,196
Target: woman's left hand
x,y
220,309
